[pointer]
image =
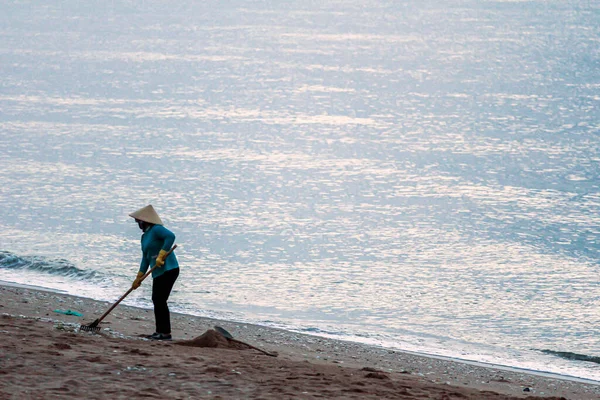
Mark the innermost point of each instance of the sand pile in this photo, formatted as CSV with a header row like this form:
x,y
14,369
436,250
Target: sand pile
x,y
212,338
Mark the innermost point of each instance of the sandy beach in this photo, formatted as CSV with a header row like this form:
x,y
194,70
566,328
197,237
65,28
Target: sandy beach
x,y
43,355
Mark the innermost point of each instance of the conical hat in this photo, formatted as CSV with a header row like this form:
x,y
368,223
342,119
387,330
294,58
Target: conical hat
x,y
147,214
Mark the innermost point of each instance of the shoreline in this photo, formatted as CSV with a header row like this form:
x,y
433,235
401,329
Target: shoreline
x,y
480,364
127,323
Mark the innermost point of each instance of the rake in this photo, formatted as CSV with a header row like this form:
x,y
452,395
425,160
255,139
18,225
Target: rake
x,y
93,327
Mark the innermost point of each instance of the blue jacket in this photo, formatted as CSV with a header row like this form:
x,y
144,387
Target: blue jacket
x,y
155,239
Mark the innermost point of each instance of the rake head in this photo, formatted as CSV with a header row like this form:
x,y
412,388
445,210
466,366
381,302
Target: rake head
x,y
223,332
93,327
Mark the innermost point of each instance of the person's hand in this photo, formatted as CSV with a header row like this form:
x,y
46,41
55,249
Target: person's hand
x,y
160,259
138,280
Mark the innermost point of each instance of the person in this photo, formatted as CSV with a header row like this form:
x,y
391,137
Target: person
x,y
156,243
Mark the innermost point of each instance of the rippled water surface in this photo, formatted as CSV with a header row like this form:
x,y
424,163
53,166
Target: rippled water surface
x,y
423,176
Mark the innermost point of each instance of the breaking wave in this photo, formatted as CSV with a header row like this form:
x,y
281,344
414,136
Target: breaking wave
x,y
41,264
573,356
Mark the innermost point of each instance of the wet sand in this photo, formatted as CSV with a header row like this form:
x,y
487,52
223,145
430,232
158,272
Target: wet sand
x,y
43,355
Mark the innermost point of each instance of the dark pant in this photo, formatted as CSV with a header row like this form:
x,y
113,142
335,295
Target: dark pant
x,y
161,289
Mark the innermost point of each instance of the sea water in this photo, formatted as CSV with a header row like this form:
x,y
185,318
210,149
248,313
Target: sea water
x,y
416,175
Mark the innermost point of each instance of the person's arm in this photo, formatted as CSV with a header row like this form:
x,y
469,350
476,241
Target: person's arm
x,y
166,235
168,239
143,268
144,264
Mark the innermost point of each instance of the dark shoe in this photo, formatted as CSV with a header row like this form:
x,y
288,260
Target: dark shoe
x,y
160,336
151,336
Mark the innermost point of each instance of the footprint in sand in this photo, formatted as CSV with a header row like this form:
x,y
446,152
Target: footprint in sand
x,y
61,346
216,370
71,383
95,360
139,352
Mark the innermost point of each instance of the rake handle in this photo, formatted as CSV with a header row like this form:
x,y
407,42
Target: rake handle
x,y
252,347
132,289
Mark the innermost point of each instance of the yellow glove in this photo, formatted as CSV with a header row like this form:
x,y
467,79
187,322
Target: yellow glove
x,y
160,259
137,282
